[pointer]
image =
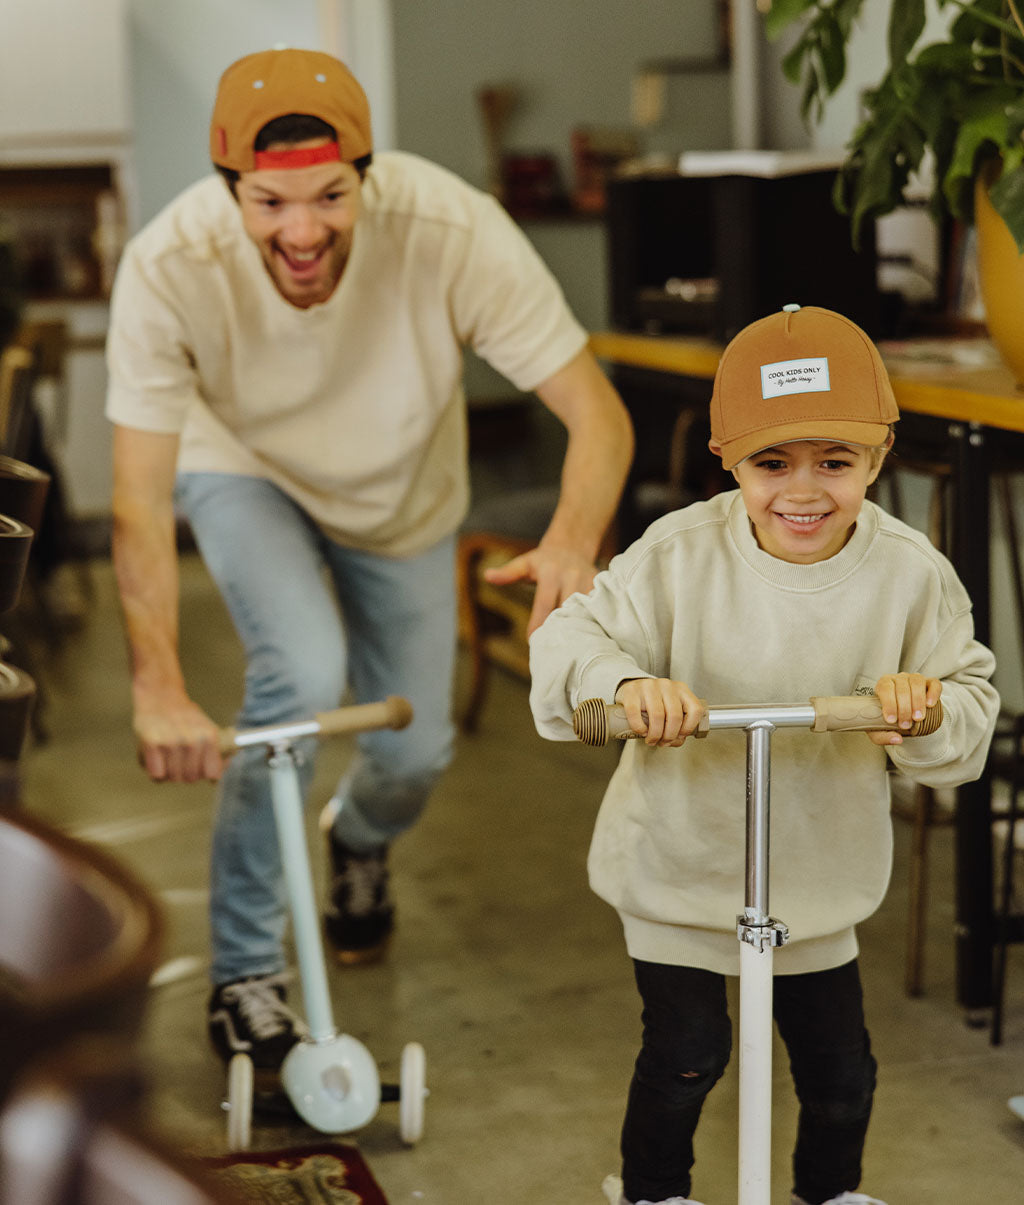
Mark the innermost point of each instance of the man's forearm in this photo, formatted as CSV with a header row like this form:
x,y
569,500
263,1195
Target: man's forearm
x,y
593,476
145,563
597,460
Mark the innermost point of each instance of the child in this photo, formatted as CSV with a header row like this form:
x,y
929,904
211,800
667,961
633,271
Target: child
x,y
791,587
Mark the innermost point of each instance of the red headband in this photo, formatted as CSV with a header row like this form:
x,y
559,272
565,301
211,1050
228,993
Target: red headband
x,y
298,156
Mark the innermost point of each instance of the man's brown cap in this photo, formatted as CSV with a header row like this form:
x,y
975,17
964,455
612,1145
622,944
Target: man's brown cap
x,y
273,83
803,373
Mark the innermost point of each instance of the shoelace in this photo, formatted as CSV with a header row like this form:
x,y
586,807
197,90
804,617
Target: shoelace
x,y
362,878
262,1009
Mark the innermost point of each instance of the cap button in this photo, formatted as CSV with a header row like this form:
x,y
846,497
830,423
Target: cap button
x,y
791,308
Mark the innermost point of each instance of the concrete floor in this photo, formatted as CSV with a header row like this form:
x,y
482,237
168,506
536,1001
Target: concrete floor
x,y
505,966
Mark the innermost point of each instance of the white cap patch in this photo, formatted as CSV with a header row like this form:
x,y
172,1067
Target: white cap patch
x,y
795,376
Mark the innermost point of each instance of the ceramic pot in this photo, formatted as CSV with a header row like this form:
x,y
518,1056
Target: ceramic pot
x,y
1001,276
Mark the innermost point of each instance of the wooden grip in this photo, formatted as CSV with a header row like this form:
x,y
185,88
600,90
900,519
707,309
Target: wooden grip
x,y
596,722
863,713
392,712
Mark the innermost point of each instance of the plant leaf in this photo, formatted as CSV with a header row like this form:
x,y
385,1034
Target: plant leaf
x,y
1007,197
832,52
906,24
982,132
792,61
783,13
950,58
980,17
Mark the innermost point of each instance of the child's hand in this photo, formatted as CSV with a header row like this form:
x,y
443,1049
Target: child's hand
x,y
661,710
904,698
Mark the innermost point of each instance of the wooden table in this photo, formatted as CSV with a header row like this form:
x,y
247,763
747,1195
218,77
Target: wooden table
x,y
961,384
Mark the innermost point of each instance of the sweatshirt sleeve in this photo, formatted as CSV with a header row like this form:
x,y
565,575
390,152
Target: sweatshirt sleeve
x,y
584,650
955,753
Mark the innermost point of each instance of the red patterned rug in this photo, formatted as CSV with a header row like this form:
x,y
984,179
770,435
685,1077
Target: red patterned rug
x,y
299,1175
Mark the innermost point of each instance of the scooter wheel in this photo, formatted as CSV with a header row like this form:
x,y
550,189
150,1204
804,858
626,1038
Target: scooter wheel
x,y
241,1079
413,1093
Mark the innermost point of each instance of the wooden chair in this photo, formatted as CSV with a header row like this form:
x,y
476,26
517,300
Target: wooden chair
x,y
31,490
17,365
493,619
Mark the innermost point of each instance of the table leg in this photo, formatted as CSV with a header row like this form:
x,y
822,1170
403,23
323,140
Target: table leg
x,y
972,556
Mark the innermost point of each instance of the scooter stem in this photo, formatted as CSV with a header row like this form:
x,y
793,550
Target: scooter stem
x,y
298,879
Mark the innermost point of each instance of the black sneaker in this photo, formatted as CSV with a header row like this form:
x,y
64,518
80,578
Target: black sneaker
x,y
250,1016
360,916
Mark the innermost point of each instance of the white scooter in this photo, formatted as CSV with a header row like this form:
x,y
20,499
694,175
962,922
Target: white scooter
x,y
595,723
330,1078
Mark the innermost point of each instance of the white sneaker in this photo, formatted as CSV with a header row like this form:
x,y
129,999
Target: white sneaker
x,y
844,1198
612,1189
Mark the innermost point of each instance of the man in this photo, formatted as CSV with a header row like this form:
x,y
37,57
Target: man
x,y
285,362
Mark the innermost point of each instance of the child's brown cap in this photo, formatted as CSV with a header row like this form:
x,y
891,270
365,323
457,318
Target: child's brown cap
x,y
273,83
803,373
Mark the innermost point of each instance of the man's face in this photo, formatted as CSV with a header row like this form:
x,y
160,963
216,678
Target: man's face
x,y
302,220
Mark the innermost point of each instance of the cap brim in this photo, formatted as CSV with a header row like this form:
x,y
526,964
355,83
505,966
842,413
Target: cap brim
x,y
870,435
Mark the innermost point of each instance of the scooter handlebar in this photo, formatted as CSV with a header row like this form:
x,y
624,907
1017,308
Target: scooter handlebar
x,y
596,723
863,713
392,712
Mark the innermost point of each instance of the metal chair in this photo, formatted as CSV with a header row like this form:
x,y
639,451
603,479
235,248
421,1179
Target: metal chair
x,y
923,810
1006,758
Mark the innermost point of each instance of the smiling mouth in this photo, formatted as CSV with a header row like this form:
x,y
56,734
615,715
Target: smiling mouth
x,y
802,520
302,263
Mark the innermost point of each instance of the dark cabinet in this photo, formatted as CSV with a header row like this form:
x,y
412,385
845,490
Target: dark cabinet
x,y
707,254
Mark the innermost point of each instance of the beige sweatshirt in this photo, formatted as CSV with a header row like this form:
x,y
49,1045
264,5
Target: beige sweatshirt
x,y
696,599
354,407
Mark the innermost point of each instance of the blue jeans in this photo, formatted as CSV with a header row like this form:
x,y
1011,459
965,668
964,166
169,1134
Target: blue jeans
x,y
686,1043
316,618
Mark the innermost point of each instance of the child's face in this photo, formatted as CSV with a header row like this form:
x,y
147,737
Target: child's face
x,y
804,497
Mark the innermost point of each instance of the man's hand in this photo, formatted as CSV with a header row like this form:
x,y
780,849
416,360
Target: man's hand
x,y
558,573
178,742
904,698
661,710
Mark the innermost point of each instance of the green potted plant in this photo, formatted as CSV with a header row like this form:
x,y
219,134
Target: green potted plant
x,y
961,98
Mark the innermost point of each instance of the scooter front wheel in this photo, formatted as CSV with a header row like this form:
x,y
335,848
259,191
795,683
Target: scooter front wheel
x,y
412,1093
241,1082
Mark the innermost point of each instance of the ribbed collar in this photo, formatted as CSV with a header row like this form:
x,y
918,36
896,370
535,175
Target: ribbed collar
x,y
819,576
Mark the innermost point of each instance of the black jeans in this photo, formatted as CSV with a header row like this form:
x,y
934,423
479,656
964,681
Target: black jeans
x,y
687,1038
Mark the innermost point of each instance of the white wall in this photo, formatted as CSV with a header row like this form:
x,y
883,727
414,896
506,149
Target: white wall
x,y
178,50
574,64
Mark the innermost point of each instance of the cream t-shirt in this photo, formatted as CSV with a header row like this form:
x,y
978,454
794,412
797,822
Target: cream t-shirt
x,y
354,407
